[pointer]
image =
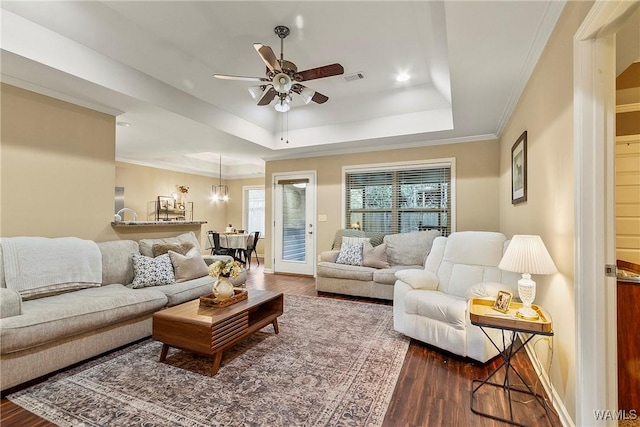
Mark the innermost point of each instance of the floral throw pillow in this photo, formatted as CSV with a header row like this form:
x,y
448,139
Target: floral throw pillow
x,y
350,254
149,271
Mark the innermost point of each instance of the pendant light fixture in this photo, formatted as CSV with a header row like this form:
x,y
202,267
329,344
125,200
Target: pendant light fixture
x,y
220,192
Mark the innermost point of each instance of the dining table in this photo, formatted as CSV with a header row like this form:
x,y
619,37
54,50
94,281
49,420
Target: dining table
x,y
236,242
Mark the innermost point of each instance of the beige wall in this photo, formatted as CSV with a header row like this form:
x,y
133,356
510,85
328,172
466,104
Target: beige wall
x,y
58,174
545,110
143,184
57,168
477,167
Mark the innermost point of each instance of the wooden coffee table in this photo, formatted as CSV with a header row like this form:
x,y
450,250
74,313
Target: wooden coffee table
x,y
210,330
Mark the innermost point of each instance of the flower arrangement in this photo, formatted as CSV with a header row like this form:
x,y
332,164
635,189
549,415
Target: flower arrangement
x,y
225,269
183,189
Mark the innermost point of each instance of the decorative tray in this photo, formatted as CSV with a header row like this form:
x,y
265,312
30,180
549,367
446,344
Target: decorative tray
x,y
481,312
211,301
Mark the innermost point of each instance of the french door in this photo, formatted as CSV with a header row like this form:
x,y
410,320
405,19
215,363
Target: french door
x,y
294,223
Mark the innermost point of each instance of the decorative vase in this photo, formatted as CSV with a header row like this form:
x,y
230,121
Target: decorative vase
x,y
223,289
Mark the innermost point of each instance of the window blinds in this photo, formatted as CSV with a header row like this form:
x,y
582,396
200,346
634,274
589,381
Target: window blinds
x,y
392,201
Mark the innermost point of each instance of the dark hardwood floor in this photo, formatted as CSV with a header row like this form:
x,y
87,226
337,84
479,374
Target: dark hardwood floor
x,y
433,388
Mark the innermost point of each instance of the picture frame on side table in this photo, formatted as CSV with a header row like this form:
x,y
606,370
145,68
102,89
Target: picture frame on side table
x,y
519,170
503,301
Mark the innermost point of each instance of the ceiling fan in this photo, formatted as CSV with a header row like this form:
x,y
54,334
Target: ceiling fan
x,y
283,77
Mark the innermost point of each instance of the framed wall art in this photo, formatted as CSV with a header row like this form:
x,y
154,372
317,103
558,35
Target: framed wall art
x,y
519,170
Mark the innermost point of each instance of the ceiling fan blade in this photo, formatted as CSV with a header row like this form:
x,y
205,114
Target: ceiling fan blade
x,y
243,78
267,96
320,72
270,59
319,98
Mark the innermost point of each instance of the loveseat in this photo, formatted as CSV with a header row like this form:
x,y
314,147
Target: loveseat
x,y
383,255
431,304
65,300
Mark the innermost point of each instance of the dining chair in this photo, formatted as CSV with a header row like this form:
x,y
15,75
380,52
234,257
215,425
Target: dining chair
x,y
214,241
252,244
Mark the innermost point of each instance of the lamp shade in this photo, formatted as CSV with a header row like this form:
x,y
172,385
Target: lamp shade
x,y
256,92
307,95
527,254
282,106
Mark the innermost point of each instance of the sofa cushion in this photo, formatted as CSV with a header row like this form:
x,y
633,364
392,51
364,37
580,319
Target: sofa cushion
x,y
485,289
418,278
375,257
341,271
177,293
437,305
475,248
10,303
470,257
117,261
162,248
387,276
146,245
152,271
409,248
375,237
189,266
53,318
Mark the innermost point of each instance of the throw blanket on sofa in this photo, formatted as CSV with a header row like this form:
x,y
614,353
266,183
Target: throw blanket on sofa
x,y
34,266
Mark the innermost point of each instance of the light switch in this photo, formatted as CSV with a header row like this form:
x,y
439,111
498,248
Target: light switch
x,y
322,218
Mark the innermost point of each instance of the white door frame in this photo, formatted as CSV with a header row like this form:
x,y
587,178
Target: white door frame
x,y
313,216
594,145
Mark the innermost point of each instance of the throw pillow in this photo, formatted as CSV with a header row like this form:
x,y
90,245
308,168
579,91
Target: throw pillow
x,y
189,266
149,271
162,248
354,240
350,254
375,257
147,244
337,240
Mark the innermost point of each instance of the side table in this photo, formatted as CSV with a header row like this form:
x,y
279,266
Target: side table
x,y
481,314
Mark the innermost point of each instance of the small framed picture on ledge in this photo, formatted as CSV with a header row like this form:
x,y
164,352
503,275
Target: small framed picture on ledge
x,y
503,301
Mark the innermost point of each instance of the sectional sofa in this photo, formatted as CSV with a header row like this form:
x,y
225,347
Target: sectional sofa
x,y
66,300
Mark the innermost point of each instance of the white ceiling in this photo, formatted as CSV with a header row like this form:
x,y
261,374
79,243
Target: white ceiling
x,y
150,63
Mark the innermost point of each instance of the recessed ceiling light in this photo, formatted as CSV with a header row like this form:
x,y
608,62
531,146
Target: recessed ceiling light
x,y
125,124
402,77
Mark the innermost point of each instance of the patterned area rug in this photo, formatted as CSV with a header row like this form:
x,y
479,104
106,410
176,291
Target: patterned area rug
x,y
334,363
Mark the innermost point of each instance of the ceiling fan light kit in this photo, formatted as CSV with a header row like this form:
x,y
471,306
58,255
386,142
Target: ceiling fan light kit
x,y
282,77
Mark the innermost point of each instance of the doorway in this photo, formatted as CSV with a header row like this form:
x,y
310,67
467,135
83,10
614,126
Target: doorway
x,y
294,223
594,139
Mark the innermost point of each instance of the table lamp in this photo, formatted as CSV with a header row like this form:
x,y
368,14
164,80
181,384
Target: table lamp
x,y
527,255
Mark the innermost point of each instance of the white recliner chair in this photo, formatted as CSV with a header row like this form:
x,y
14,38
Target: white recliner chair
x,y
431,305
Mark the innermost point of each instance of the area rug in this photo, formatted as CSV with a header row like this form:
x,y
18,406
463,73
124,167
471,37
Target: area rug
x,y
334,363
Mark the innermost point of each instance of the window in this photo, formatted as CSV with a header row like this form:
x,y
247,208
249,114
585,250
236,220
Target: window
x,y
400,198
254,209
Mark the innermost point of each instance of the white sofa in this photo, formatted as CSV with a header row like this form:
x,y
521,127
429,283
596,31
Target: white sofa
x,y
431,305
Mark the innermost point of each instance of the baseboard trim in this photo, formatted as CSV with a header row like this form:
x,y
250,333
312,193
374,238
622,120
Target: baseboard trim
x,y
558,404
